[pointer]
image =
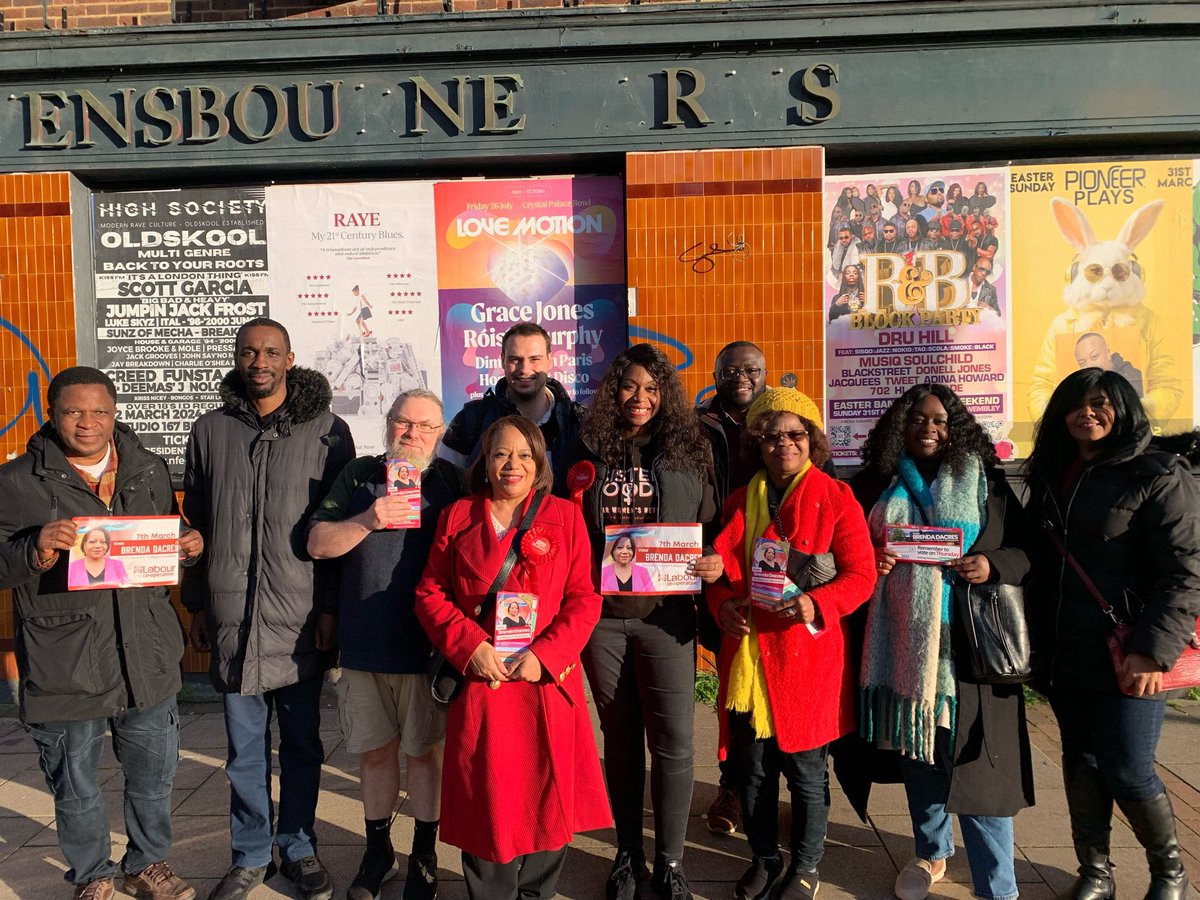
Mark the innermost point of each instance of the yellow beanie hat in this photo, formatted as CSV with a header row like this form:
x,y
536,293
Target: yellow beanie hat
x,y
776,400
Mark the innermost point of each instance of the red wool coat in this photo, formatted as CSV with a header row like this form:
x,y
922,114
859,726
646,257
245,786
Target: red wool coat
x,y
812,690
521,772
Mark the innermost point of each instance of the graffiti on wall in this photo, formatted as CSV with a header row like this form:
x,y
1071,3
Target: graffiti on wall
x,y
33,386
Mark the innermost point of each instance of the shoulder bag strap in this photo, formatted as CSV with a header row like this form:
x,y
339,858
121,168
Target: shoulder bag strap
x,y
510,559
1057,541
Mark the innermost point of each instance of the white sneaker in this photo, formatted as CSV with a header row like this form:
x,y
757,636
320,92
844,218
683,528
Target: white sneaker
x,y
917,877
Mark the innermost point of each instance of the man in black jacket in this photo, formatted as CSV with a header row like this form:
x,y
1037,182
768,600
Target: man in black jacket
x,y
256,469
739,376
87,658
384,701
525,390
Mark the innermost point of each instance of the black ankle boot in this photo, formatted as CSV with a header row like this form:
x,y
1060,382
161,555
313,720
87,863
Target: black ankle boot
x,y
1153,824
1090,807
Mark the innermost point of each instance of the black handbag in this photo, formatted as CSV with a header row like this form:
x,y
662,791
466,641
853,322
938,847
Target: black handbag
x,y
445,681
991,620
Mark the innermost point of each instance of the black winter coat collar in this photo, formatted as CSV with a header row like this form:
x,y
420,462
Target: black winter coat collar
x,y
49,457
500,392
308,396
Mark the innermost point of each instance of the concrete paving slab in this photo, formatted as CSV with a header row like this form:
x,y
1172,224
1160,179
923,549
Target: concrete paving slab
x,y
861,859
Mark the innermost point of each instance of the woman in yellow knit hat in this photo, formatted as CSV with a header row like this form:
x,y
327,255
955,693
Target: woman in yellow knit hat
x,y
784,683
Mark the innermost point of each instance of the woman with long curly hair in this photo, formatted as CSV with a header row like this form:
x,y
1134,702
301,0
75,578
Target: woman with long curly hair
x,y
641,458
964,748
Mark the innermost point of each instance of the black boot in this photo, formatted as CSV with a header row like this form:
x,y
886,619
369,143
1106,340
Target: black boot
x,y
1090,806
1153,824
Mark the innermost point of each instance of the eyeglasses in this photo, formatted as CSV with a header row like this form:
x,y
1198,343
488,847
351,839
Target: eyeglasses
x,y
775,438
402,424
937,190
733,373
1095,272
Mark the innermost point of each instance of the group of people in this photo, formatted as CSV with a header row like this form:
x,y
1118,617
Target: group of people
x,y
879,219
289,559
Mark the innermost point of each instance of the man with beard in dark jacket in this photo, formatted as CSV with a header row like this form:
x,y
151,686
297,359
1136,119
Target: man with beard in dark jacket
x,y
87,658
256,470
525,390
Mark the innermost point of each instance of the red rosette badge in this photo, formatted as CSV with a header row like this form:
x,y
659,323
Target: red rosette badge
x,y
580,477
538,546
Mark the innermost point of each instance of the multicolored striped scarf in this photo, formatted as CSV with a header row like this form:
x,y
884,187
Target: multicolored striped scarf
x,y
908,683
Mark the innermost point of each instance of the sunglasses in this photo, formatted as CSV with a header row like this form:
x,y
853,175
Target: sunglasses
x,y
1095,272
775,438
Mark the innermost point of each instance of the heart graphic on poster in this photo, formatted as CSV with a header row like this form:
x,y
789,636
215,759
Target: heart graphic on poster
x,y
528,274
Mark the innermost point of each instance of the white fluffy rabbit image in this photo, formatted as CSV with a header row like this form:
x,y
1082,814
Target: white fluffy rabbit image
x,y
1107,293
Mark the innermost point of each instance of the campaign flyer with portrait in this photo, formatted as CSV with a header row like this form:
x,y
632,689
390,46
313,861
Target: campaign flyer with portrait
x,y
650,559
404,481
516,618
1102,265
354,281
924,543
768,572
175,274
119,551
916,288
545,250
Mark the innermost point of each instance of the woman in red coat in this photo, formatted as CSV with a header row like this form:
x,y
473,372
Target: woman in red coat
x,y
784,680
521,774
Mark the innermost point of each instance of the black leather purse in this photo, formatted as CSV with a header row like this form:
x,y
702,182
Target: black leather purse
x,y
991,621
445,681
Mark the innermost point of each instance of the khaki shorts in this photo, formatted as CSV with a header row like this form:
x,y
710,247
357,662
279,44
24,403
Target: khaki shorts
x,y
375,707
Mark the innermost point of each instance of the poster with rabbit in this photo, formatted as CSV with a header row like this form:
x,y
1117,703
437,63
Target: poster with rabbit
x,y
1101,266
916,282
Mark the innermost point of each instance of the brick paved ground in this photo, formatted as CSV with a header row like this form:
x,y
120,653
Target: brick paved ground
x,y
861,861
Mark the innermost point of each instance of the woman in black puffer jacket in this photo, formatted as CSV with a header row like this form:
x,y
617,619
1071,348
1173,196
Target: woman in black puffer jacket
x,y
1130,518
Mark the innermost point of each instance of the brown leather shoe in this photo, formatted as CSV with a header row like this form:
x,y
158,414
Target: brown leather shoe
x,y
158,882
97,889
723,814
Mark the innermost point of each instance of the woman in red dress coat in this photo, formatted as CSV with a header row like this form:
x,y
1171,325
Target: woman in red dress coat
x,y
785,685
521,774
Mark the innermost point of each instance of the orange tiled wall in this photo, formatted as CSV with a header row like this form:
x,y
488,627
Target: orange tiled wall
x,y
679,204
37,310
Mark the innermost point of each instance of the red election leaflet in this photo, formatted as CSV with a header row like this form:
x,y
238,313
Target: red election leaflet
x,y
924,543
404,480
650,559
117,551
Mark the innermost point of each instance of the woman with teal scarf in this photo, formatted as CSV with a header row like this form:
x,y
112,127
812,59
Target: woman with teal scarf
x,y
963,747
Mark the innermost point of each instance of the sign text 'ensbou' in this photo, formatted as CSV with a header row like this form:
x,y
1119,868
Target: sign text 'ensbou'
x,y
497,103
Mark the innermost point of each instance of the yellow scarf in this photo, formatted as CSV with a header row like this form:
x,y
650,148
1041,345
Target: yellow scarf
x,y
747,691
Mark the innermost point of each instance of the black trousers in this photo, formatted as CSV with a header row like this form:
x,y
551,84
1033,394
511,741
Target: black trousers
x,y
643,678
807,773
530,877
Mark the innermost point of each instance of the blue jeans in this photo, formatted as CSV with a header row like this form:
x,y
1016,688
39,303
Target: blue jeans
x,y
761,762
248,767
988,839
1114,734
146,743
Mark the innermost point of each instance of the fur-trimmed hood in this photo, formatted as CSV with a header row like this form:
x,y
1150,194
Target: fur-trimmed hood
x,y
1186,444
309,394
